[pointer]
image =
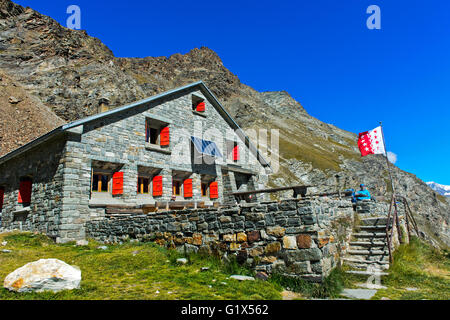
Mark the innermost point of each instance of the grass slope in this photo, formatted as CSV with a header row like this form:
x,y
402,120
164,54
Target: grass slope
x,y
131,271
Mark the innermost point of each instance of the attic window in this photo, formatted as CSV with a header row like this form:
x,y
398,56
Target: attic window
x,y
232,150
198,104
157,132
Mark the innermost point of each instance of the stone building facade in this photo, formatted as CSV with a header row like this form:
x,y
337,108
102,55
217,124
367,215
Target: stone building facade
x,y
177,147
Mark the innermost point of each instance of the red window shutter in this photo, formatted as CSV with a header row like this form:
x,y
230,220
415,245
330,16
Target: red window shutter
x,y
236,153
2,195
164,136
201,107
25,192
157,186
117,184
187,187
214,190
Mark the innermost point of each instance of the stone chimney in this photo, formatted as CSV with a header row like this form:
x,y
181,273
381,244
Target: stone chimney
x,y
103,105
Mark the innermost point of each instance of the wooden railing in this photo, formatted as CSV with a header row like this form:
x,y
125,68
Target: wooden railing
x,y
409,218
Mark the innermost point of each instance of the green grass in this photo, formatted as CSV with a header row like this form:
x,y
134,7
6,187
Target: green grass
x,y
418,265
329,288
131,271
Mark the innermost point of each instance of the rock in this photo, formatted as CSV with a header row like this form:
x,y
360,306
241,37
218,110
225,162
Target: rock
x,y
359,294
304,241
241,237
253,236
13,100
242,278
6,251
102,247
268,259
300,267
203,269
289,242
262,276
276,231
371,286
82,243
229,237
4,243
273,247
182,260
411,289
43,275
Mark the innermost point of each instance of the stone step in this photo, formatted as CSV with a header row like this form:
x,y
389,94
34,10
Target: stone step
x,y
370,235
368,244
365,273
378,228
368,252
352,259
374,221
366,264
365,267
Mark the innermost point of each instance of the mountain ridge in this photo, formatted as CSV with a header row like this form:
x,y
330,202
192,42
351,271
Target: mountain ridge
x,y
72,74
442,189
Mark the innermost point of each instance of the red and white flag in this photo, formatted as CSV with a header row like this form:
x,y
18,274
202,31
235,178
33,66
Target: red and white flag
x,y
371,142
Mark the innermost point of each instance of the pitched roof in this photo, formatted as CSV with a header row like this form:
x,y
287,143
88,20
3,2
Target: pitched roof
x,y
204,89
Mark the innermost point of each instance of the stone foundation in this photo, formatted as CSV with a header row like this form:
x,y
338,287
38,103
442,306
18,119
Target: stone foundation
x,y
293,237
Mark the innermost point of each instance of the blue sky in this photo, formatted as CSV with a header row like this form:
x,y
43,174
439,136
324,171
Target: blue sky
x,y
321,52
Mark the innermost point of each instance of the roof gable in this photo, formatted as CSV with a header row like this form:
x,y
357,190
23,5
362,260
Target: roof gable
x,y
70,127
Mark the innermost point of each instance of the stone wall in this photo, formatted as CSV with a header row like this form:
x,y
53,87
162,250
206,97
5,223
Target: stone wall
x,y
294,237
45,166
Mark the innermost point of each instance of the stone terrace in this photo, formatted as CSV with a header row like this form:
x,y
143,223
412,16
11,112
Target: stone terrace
x,y
293,237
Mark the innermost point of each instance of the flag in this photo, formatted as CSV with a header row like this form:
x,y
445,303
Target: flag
x,y
371,142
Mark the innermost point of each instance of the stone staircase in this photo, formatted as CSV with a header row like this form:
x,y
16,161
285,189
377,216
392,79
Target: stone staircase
x,y
368,253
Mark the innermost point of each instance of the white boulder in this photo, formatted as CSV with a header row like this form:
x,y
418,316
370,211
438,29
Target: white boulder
x,y
42,275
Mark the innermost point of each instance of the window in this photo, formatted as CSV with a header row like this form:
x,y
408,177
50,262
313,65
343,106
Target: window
x,y
25,189
143,185
100,182
204,189
198,104
232,150
157,132
176,188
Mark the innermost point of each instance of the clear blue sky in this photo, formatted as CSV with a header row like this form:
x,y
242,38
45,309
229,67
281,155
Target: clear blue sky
x,y
321,52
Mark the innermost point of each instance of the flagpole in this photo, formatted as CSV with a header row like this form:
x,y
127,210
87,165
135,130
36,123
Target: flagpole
x,y
387,161
392,185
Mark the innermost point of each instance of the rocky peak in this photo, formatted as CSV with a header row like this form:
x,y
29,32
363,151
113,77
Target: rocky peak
x,y
9,9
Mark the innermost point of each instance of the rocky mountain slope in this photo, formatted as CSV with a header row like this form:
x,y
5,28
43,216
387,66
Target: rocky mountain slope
x,y
23,116
72,74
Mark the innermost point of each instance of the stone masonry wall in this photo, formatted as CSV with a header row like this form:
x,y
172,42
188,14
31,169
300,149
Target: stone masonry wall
x,y
293,237
45,166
